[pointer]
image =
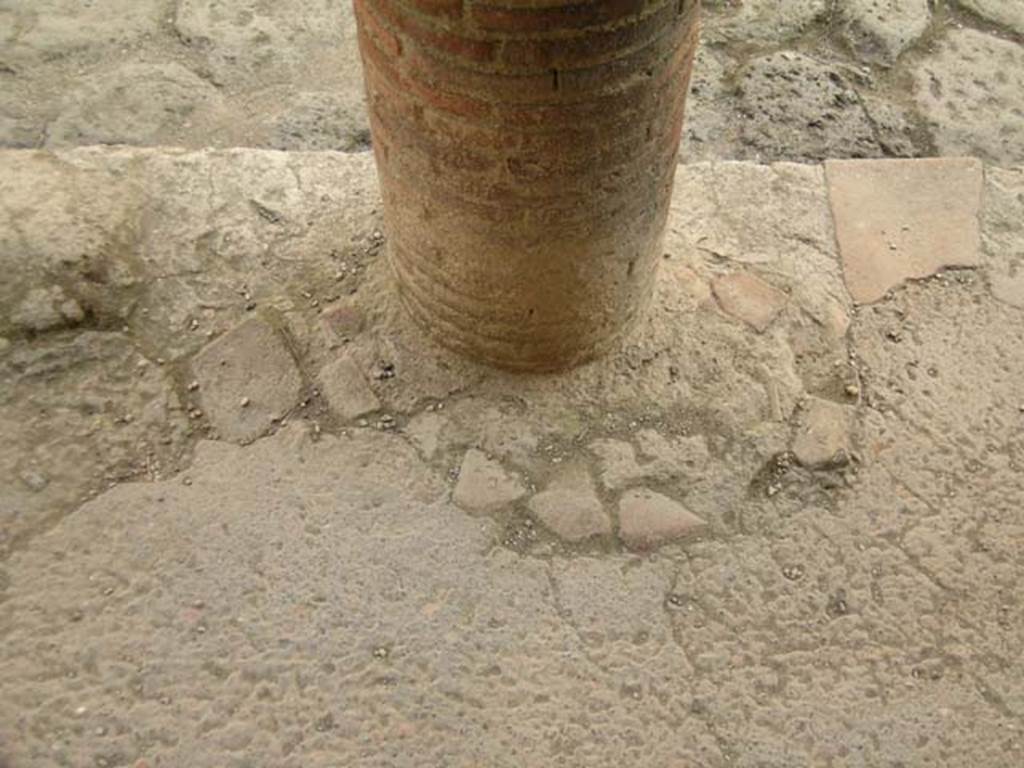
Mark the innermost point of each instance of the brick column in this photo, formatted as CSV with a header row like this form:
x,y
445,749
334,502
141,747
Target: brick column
x,y
526,152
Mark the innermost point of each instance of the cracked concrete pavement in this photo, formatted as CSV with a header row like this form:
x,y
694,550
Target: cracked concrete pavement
x,y
798,536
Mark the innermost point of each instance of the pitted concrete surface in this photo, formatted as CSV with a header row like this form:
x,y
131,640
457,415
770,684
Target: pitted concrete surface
x,y
799,536
801,80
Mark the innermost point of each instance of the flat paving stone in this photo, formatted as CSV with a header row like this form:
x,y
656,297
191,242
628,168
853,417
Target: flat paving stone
x,y
141,104
968,89
247,379
787,94
898,220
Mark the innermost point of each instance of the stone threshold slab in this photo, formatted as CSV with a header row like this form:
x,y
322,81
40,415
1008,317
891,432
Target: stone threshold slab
x,y
894,220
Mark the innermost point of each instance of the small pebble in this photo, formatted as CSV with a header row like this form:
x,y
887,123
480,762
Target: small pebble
x,y
793,572
245,402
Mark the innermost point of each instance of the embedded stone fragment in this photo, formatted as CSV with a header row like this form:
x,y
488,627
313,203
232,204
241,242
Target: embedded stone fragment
x,y
619,466
617,462
346,389
823,437
425,430
664,459
570,507
247,379
648,519
903,219
485,485
749,299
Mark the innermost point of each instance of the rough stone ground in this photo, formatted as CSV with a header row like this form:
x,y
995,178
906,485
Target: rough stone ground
x,y
775,80
782,526
777,528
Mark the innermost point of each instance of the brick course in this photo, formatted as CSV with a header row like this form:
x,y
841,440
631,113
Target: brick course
x,y
526,150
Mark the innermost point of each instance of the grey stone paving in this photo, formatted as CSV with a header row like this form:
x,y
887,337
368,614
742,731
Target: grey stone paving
x,y
781,526
800,80
798,539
